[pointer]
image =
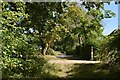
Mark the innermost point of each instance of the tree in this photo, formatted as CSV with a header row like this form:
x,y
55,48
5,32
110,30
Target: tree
x,y
113,47
85,22
19,58
44,17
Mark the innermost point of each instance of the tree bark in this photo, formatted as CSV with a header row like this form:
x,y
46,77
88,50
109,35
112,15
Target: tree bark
x,y
44,49
80,40
91,52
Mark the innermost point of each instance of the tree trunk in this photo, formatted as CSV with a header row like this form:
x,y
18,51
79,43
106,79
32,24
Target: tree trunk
x,y
91,52
80,40
44,49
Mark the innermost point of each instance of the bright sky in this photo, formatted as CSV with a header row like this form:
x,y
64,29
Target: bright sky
x,y
119,15
111,23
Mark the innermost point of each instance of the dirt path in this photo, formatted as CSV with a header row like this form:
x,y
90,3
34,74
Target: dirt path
x,y
67,65
74,62
64,69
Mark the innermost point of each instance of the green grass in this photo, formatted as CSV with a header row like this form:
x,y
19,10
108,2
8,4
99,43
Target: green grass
x,y
92,71
59,70
78,70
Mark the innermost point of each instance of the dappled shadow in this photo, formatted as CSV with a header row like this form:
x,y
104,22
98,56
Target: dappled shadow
x,y
92,71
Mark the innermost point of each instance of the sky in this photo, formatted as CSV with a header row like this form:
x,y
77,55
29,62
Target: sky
x,y
119,15
111,23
